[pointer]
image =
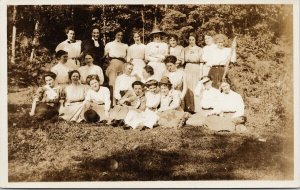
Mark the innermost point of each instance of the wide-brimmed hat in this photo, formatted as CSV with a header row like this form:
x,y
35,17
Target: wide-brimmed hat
x,y
165,80
156,30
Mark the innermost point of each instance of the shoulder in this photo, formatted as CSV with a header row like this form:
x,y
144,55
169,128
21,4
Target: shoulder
x,y
80,69
104,89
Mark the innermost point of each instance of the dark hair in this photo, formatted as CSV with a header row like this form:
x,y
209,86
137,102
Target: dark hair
x,y
211,33
173,36
117,30
194,35
72,72
50,74
135,83
95,27
89,78
69,28
89,53
170,59
149,69
60,53
91,116
167,85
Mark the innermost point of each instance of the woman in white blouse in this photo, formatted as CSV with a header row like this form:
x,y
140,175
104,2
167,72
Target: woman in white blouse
x,y
176,50
136,55
97,98
156,51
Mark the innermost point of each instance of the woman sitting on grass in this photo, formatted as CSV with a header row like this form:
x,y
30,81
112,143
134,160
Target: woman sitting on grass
x,y
176,76
170,113
45,103
132,100
74,95
97,101
147,118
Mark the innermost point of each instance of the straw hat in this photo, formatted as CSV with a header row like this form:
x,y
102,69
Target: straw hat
x,y
156,30
165,80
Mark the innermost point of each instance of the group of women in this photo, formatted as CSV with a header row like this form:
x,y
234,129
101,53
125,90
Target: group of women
x,y
143,85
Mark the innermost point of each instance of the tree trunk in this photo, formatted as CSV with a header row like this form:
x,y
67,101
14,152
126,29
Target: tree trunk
x,y
34,40
104,24
143,20
13,41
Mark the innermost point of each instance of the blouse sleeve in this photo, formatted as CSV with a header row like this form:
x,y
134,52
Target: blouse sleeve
x,y
101,76
239,107
39,94
175,101
117,94
107,101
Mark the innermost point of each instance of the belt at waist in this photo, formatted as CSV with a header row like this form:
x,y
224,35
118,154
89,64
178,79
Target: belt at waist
x,y
193,62
207,108
119,58
76,101
216,66
74,58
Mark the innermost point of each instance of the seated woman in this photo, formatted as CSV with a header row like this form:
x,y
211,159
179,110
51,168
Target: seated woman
x,y
132,100
45,103
97,99
60,69
148,74
73,95
147,118
176,76
90,69
124,82
170,113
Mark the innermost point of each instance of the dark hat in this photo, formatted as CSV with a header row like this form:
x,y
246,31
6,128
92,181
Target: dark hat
x,y
165,80
151,82
156,30
91,116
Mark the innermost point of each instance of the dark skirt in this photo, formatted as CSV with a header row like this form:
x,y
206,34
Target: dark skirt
x,y
216,73
46,111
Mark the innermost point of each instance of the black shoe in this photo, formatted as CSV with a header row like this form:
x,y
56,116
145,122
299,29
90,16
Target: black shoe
x,y
121,123
126,127
114,123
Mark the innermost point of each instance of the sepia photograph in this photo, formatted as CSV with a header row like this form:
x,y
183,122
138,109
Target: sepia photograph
x,y
154,92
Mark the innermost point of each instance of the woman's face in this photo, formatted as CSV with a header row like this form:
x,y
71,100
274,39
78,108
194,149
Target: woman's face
x,y
49,81
71,35
156,37
128,69
75,77
119,36
220,43
171,67
152,89
138,89
208,85
192,40
64,58
95,85
164,90
95,34
208,40
225,88
88,59
173,42
137,38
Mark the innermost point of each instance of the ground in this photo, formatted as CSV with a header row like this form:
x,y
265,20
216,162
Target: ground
x,y
88,152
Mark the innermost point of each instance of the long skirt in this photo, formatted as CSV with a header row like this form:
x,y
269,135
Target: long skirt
x,y
114,69
192,72
72,111
73,64
197,119
138,66
146,118
99,109
119,112
45,111
172,118
216,73
159,68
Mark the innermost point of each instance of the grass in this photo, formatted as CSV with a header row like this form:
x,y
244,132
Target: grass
x,y
88,152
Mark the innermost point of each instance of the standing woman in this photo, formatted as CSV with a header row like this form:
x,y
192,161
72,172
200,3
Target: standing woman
x,y
95,46
136,55
90,69
222,56
176,50
73,95
192,55
209,51
116,52
156,51
73,47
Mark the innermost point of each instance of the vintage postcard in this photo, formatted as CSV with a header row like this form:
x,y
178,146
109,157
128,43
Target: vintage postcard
x,y
149,94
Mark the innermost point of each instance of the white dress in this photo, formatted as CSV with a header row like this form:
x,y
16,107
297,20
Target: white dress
x,y
62,73
155,54
136,55
90,70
